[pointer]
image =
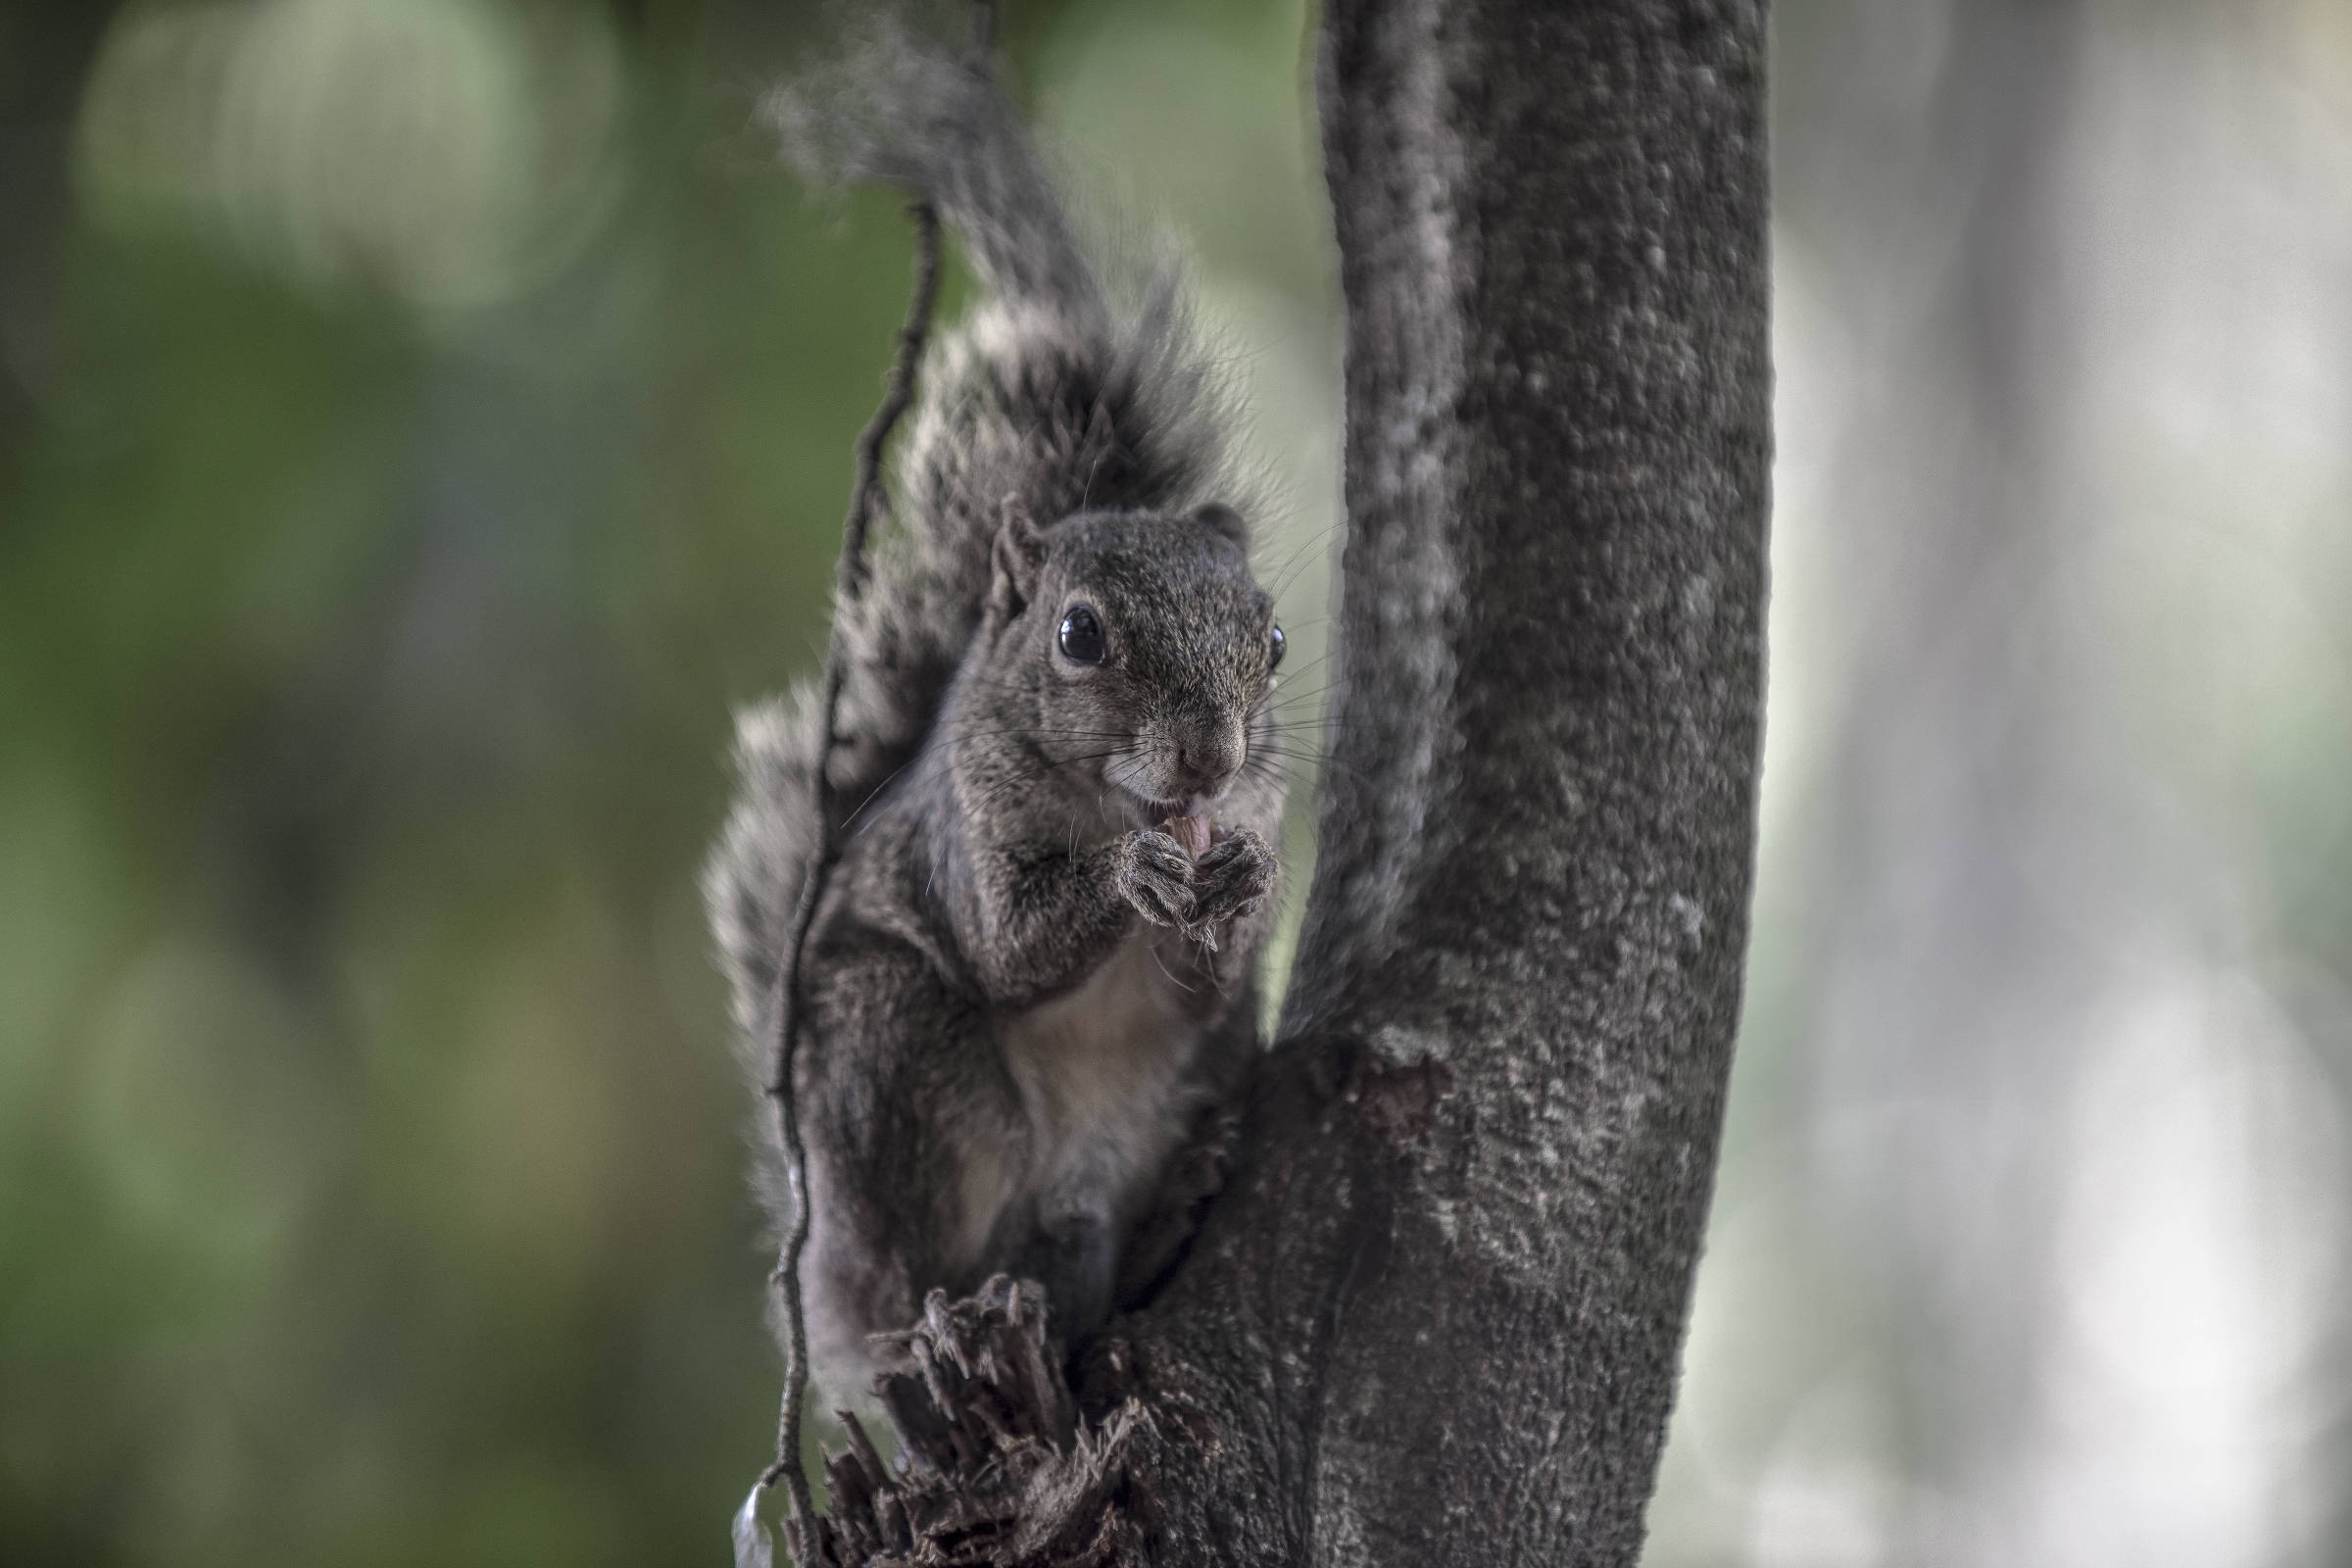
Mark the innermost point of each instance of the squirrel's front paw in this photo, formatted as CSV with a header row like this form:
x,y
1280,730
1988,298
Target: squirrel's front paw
x,y
1155,875
1229,881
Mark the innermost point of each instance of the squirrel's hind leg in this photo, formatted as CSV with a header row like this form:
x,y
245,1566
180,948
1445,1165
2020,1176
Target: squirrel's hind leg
x,y
1160,1236
1075,1257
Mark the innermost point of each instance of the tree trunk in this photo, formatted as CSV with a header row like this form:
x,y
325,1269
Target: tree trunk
x,y
1436,1317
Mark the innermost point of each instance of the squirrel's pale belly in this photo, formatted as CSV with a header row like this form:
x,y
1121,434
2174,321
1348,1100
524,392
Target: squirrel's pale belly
x,y
1104,1077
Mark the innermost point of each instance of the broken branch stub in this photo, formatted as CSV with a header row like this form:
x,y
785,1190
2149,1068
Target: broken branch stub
x,y
998,1470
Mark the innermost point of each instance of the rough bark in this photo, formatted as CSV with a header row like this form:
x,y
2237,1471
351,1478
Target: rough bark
x,y
1435,1319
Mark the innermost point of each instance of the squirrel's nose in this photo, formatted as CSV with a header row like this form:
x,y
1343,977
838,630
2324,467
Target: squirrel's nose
x,y
1207,763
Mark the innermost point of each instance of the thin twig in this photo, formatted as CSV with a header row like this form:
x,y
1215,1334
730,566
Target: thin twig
x,y
866,501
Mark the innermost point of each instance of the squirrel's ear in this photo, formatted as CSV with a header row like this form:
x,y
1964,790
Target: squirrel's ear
x,y
1227,521
1017,557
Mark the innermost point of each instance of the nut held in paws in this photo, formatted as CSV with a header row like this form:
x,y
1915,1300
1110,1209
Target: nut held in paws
x,y
1195,833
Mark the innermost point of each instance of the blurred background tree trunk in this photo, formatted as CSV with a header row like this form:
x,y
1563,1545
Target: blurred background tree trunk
x,y
1958,992
45,55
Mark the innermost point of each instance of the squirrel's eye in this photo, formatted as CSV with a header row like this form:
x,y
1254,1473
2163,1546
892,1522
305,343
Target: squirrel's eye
x,y
1082,636
1277,642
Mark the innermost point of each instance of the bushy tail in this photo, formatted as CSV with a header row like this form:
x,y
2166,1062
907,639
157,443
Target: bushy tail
x,y
900,111
1051,396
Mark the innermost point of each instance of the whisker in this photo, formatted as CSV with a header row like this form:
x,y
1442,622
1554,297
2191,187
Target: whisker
x,y
1154,950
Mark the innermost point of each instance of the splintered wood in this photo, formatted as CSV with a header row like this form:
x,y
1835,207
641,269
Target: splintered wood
x,y
996,1469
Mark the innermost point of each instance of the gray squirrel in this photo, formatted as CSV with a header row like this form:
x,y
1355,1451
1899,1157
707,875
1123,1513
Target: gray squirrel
x,y
1031,985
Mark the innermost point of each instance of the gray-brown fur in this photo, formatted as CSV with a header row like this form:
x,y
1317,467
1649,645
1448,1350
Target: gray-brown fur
x,y
1024,1001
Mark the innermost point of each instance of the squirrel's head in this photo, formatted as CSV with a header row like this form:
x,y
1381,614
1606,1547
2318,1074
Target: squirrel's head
x,y
1134,651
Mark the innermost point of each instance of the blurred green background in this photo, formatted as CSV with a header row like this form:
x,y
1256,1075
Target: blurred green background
x,y
422,420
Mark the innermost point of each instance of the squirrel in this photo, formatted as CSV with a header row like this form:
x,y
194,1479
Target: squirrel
x,y
1031,982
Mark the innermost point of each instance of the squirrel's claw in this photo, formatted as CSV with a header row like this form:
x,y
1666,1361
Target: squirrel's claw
x,y
1155,876
1229,882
